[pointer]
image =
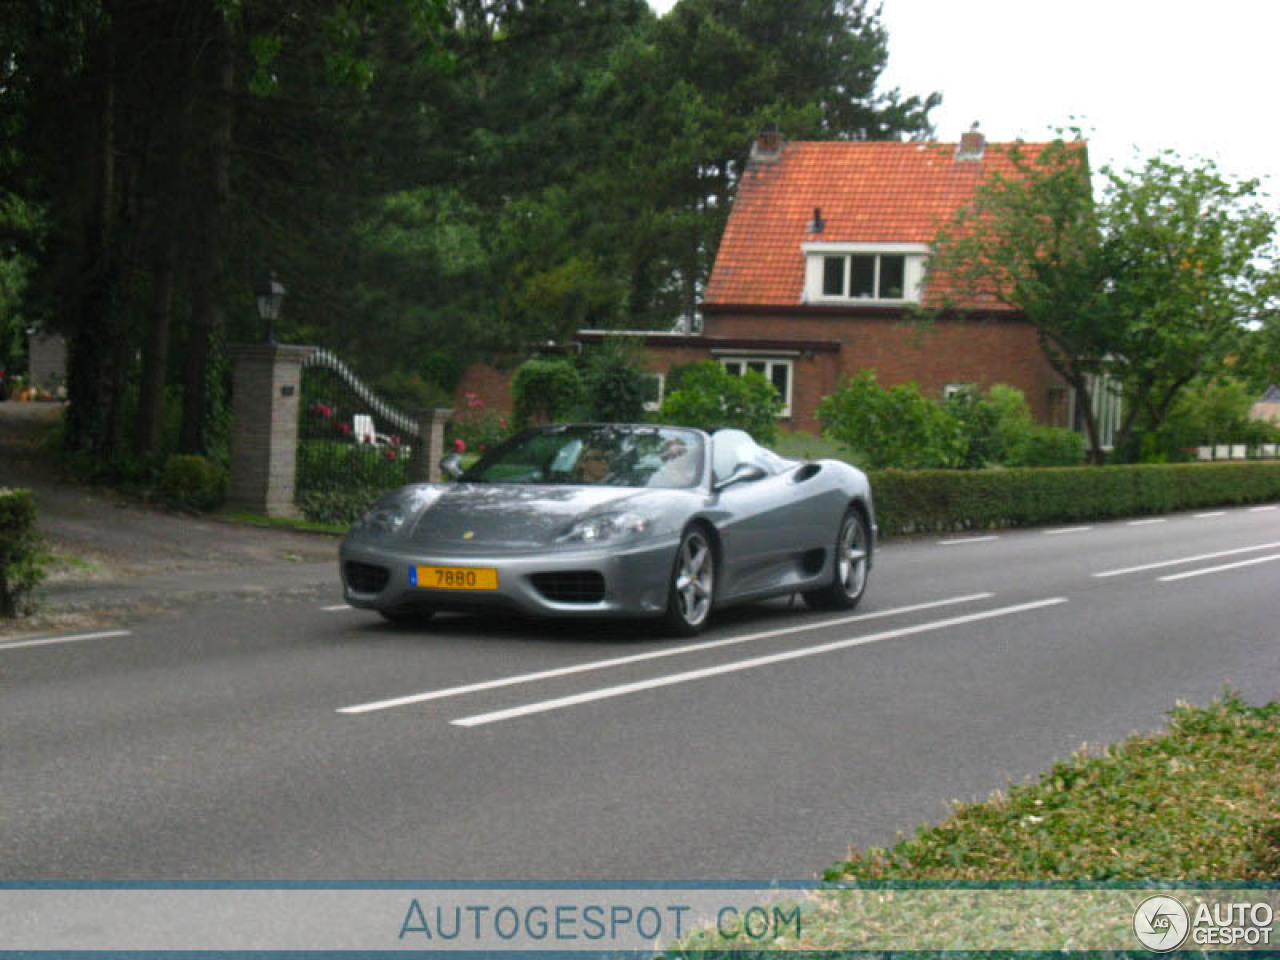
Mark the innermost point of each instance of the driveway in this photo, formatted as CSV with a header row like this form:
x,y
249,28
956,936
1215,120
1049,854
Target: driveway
x,y
113,554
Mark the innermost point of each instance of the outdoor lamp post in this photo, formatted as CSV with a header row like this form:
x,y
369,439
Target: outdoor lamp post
x,y
270,293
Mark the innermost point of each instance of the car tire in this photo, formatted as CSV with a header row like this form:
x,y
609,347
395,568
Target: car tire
x,y
852,561
408,618
691,595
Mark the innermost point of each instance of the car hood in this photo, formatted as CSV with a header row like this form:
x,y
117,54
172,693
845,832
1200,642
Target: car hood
x,y
489,516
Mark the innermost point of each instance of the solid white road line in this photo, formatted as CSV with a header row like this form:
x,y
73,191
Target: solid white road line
x,y
1059,532
338,607
1181,560
1148,522
1211,513
1262,509
652,655
75,638
961,540
740,665
1225,566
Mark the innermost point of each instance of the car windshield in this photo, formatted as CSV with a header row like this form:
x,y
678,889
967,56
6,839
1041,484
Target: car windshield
x,y
596,455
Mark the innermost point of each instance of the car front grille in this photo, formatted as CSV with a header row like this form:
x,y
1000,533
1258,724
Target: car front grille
x,y
366,577
570,586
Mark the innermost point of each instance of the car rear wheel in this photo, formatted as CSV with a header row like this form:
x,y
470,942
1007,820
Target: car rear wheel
x,y
852,558
693,584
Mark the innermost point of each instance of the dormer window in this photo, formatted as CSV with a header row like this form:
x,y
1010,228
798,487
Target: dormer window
x,y
890,273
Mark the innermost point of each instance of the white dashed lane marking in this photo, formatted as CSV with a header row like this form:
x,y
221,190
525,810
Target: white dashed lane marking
x,y
71,638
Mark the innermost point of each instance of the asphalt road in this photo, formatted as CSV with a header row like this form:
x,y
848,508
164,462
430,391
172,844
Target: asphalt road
x,y
301,739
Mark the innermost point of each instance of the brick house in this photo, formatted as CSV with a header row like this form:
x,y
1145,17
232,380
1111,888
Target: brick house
x,y
821,269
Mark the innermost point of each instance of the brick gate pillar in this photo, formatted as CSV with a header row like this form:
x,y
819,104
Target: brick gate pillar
x,y
265,395
424,464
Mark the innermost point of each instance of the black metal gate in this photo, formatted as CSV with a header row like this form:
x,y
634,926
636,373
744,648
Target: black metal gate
x,y
352,446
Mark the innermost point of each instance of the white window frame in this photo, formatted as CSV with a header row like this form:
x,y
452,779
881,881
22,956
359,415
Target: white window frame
x,y
770,360
816,254
653,406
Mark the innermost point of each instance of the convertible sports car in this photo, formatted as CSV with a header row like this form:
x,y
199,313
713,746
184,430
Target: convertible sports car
x,y
605,519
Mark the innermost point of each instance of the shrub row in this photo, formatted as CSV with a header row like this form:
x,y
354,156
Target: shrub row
x,y
933,501
21,556
193,482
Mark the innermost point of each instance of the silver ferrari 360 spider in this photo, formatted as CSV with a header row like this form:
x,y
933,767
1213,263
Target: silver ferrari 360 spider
x,y
625,520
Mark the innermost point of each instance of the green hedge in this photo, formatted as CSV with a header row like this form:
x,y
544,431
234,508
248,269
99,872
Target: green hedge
x,y
933,501
21,556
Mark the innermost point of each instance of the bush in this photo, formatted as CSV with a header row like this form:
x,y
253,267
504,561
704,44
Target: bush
x,y
545,389
892,426
338,506
615,388
196,483
935,501
21,556
710,397
475,428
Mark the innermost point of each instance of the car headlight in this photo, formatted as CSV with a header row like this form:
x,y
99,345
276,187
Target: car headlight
x,y
607,526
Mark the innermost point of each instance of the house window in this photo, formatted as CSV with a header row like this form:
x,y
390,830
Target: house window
x,y
883,272
865,276
776,370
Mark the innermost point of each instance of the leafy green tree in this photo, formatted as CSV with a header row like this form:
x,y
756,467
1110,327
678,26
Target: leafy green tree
x,y
1190,255
545,389
615,389
1031,242
710,398
1152,285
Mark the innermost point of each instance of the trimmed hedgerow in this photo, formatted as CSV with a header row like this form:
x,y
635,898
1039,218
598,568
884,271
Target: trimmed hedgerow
x,y
934,501
21,555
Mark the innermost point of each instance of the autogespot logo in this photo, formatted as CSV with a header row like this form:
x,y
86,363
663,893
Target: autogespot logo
x,y
1161,923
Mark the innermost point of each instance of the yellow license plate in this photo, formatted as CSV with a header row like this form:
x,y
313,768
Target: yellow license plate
x,y
454,578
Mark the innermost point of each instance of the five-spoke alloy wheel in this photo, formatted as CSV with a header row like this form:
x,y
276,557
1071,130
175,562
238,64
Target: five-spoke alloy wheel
x,y
852,558
693,584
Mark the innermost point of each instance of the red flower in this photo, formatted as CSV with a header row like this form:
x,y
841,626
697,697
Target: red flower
x,y
395,440
391,454
502,422
344,429
459,445
320,410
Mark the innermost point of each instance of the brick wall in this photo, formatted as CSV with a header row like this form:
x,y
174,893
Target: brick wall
x,y
980,352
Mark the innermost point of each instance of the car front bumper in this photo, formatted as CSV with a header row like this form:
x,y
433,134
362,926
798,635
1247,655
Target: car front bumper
x,y
629,581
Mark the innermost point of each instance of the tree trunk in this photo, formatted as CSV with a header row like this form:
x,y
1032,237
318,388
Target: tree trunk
x,y
206,286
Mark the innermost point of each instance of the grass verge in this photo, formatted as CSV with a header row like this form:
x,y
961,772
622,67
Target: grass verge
x,y
281,523
1195,804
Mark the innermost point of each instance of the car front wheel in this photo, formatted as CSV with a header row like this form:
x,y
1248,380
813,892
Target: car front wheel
x,y
693,584
852,558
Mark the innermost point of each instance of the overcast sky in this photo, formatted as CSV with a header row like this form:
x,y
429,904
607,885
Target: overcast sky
x,y
1195,76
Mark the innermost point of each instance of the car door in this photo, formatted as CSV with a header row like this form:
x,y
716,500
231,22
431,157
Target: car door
x,y
768,523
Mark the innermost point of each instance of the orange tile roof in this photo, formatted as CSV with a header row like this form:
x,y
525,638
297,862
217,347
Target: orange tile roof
x,y
868,191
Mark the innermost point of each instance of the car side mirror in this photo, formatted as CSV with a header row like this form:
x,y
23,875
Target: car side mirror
x,y
742,473
452,465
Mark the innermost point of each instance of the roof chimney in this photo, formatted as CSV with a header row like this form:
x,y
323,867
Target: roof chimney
x,y
817,224
768,145
972,144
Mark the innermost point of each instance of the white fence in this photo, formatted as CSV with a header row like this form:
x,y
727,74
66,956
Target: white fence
x,y
1238,451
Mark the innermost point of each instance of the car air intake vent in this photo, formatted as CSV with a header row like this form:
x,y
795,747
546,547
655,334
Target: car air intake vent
x,y
807,471
570,586
365,577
